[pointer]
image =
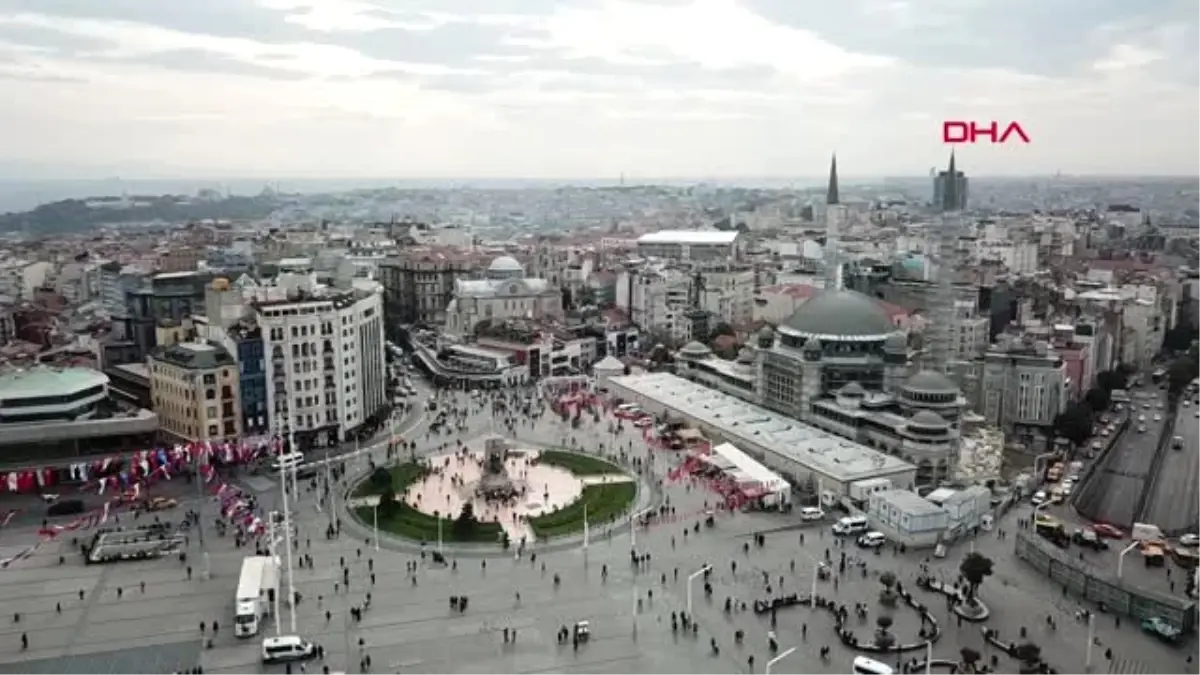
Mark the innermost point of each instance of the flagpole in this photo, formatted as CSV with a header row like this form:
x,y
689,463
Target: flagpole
x,y
205,569
287,528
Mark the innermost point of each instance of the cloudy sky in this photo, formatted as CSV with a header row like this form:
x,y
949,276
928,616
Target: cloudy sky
x,y
593,88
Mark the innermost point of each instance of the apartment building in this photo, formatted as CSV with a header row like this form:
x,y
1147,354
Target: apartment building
x,y
697,246
324,362
1025,386
419,286
194,388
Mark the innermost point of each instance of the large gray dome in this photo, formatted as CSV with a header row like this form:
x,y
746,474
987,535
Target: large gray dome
x,y
506,266
834,315
929,420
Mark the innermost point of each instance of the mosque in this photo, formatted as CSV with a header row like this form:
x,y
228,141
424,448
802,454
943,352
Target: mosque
x,y
839,363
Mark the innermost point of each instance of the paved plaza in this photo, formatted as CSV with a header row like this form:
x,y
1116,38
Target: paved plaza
x,y
410,627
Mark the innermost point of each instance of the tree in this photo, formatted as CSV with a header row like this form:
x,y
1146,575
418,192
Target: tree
x,y
888,595
1097,399
1180,374
1074,424
975,568
1179,338
1110,380
388,506
883,635
968,660
466,522
1030,656
381,479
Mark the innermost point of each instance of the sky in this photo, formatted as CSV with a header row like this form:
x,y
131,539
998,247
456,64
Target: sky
x,y
570,89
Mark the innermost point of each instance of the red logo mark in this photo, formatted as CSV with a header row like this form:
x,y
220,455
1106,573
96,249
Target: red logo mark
x,y
971,132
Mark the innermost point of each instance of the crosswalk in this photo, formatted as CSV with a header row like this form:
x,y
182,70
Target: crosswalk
x,y
1126,666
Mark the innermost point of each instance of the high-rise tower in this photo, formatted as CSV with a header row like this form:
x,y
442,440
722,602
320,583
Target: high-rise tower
x,y
943,311
833,218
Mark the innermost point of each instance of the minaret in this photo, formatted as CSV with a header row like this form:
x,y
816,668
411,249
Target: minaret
x,y
943,313
833,214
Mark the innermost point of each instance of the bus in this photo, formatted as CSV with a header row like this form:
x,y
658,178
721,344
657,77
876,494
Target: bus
x,y
256,591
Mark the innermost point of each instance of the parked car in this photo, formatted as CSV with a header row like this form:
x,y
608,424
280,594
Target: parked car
x,y
1190,540
872,540
1089,539
1108,531
1160,628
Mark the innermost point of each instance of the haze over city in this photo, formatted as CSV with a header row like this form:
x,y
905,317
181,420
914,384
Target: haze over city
x,y
586,88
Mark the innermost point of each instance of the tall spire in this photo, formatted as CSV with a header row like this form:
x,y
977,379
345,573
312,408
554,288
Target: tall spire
x,y
950,198
831,197
833,261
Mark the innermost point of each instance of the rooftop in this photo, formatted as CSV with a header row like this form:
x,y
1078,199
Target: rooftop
x,y
194,355
689,237
837,457
41,381
909,502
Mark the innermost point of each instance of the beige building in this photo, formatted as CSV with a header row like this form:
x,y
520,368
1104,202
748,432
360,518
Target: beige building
x,y
194,387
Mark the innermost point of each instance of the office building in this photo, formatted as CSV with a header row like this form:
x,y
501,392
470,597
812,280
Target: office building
x,y
696,246
194,386
943,184
1025,388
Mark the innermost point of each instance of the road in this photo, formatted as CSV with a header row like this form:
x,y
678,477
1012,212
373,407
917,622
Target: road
x,y
1174,503
409,627
1112,493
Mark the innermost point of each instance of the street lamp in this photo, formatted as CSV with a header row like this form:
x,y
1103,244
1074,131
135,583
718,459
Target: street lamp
x,y
783,655
1091,639
1121,557
274,558
690,579
287,533
928,657
375,522
633,521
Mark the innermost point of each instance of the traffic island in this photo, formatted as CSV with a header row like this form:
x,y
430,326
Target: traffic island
x,y
974,610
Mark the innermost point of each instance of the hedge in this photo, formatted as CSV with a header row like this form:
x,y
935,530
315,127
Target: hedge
x,y
580,465
604,503
409,522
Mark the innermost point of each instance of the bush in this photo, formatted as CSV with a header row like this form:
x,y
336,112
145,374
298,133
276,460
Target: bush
x,y
580,465
397,517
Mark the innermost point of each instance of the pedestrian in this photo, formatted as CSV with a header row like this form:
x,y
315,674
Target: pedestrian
x,y
81,596
215,627
189,572
24,641
58,608
203,627
120,592
142,584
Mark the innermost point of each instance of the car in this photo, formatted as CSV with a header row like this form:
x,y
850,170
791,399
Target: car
x,y
1146,406
1157,417
872,540
1160,406
1141,418
1160,628
811,513
160,504
1089,539
643,422
1190,540
1108,531
1038,498
286,648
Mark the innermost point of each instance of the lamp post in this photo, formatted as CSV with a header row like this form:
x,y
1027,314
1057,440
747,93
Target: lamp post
x,y
690,579
1121,557
287,533
375,522
633,522
782,655
206,569
812,599
1091,641
274,559
928,657
439,522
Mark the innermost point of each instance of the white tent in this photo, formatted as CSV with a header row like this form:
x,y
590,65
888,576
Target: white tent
x,y
607,367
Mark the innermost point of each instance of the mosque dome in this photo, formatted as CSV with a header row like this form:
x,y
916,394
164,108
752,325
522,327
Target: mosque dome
x,y
505,266
839,315
930,382
694,350
928,420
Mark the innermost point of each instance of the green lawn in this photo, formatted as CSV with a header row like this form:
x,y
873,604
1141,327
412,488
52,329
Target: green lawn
x,y
580,465
603,502
409,522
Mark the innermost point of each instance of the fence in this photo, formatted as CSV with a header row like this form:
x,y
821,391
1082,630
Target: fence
x,y
1098,586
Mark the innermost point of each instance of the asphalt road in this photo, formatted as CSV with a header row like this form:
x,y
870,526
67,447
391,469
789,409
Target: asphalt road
x,y
410,628
1115,488
1174,503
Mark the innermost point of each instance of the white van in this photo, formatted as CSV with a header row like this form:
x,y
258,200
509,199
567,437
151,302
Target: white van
x,y
811,513
287,648
864,665
850,525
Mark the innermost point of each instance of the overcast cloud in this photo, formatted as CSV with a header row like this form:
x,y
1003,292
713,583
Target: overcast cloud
x,y
596,88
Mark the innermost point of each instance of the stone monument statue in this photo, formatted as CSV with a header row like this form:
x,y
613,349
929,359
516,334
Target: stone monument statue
x,y
496,483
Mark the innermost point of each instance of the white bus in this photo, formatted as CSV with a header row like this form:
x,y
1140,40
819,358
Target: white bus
x,y
256,591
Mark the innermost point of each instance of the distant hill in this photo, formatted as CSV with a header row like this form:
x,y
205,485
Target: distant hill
x,y
81,215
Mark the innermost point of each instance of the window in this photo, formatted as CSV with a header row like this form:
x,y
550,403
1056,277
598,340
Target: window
x,y
210,379
212,411
210,394
226,392
213,431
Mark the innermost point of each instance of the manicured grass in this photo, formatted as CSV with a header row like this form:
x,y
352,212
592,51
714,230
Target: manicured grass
x,y
409,522
413,524
604,503
580,465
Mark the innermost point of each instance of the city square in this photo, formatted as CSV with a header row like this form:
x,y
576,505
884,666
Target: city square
x,y
409,626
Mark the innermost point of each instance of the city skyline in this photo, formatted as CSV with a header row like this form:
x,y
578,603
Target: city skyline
x,y
590,88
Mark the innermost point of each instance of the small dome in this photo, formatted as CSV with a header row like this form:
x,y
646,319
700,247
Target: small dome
x,y
694,350
930,382
896,342
506,264
766,333
745,355
928,419
812,345
853,390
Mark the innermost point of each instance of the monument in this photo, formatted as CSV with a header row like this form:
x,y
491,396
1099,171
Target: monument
x,y
495,483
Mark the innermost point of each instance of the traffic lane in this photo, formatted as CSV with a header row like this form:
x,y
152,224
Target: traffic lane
x,y
1113,492
1105,562
1173,502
